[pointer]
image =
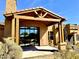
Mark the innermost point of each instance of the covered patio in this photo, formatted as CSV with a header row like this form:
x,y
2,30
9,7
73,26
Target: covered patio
x,y
39,18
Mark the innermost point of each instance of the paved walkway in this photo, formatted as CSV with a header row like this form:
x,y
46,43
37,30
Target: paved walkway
x,y
48,48
28,54
35,51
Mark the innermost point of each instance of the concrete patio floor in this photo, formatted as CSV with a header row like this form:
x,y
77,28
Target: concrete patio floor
x,y
37,51
29,54
39,48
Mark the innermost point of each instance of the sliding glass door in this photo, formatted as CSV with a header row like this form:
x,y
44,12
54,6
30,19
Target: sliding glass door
x,y
29,35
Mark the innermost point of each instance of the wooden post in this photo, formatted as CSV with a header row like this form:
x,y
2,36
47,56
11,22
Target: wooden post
x,y
54,31
75,38
59,27
17,30
62,45
62,32
13,28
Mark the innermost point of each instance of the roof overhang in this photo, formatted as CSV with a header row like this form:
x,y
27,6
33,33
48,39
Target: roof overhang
x,y
37,18
47,17
36,9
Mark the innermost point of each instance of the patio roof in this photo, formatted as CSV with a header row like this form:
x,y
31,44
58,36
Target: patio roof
x,y
37,18
36,10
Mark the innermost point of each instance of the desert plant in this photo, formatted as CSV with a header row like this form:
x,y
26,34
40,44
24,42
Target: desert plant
x,y
70,53
66,55
10,50
77,45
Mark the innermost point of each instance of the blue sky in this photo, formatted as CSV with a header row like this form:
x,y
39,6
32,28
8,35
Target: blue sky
x,y
66,8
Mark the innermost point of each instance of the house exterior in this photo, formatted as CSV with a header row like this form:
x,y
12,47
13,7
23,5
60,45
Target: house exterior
x,y
36,26
38,18
1,30
72,32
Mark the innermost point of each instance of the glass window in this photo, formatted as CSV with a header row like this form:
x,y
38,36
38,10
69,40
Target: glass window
x,y
22,32
27,30
32,27
35,31
32,31
50,35
29,35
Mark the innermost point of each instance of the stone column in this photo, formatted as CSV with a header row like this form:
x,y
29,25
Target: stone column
x,y
17,30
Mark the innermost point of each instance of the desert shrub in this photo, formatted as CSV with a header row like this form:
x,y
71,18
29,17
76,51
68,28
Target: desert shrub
x,y
50,42
70,53
77,45
1,50
66,55
10,50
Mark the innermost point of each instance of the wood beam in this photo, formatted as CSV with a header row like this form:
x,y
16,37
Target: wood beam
x,y
36,13
17,30
37,18
21,12
13,28
62,32
59,27
41,14
45,14
54,31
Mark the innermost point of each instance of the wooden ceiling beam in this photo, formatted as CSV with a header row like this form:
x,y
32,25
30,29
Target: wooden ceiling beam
x,y
37,18
45,14
36,13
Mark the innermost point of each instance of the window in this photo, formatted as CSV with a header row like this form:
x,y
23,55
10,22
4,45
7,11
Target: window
x,y
50,35
29,35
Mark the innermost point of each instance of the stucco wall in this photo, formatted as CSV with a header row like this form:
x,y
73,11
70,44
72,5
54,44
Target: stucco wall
x,y
1,31
50,28
7,28
43,30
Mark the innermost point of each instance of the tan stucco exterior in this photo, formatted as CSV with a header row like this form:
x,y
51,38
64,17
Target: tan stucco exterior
x,y
46,23
73,29
7,28
1,31
43,30
10,6
38,17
